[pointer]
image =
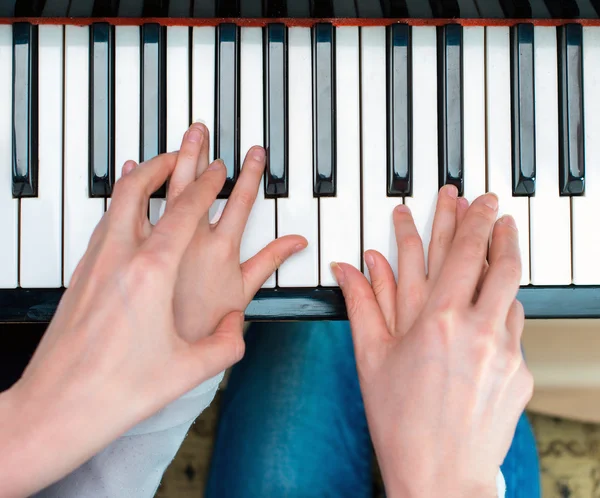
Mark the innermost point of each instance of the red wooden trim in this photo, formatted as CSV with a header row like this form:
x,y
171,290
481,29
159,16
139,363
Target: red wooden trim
x,y
165,21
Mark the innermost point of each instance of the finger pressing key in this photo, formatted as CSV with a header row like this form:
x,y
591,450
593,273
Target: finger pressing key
x,y
459,277
187,161
501,282
442,234
234,218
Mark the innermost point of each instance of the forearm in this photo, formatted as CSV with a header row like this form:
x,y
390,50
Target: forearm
x,y
133,465
42,441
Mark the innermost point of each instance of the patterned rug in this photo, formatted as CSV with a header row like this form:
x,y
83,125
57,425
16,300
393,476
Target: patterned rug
x,y
569,457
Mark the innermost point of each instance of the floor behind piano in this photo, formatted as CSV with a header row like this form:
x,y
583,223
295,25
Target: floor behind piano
x,y
569,451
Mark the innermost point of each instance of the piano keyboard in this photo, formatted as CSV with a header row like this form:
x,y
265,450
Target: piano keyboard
x,y
355,118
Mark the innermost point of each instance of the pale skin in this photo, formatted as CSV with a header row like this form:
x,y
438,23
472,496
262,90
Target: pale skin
x,y
151,312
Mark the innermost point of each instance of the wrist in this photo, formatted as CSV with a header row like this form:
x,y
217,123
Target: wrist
x,y
16,470
34,428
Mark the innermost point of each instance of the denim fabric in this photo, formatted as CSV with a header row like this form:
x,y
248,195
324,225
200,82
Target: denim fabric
x,y
292,422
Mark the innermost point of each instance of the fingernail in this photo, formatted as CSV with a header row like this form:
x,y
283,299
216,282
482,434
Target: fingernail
x,y
216,164
491,200
194,134
507,219
370,260
258,153
452,191
128,167
299,247
462,202
402,208
338,273
200,120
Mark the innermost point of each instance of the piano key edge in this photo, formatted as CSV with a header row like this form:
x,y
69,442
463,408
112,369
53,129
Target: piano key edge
x,y
39,305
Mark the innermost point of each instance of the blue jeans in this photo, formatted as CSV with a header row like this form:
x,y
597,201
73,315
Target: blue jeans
x,y
292,422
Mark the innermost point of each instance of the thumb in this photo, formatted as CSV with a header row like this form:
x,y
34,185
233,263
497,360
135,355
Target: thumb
x,y
211,355
366,320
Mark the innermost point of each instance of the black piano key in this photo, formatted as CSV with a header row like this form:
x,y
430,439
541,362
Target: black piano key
x,y
444,8
55,8
324,179
81,8
450,120
596,5
399,111
227,100
393,8
276,176
228,8
516,9
102,168
25,115
523,110
202,8
321,9
570,115
562,9
179,8
153,98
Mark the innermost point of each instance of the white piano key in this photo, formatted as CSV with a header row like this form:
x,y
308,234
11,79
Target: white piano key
x,y
299,212
260,229
178,105
550,213
340,215
499,163
41,216
81,213
424,131
9,207
586,236
178,92
203,80
127,96
203,93
377,219
474,111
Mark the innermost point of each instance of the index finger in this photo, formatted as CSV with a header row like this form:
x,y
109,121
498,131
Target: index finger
x,y
131,193
460,274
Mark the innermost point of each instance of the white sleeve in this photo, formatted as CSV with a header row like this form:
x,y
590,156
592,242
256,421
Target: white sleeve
x,y
134,464
500,484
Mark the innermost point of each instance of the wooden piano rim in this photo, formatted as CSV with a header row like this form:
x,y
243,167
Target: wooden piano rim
x,y
261,22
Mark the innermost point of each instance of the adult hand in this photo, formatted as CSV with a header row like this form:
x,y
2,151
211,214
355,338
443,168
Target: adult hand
x,y
211,281
438,354
113,354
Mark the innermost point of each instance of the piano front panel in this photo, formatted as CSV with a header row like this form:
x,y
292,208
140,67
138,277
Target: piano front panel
x,y
357,115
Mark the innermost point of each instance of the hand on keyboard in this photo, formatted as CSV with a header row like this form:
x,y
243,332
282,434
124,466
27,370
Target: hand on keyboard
x,y
211,282
438,354
114,354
